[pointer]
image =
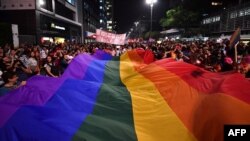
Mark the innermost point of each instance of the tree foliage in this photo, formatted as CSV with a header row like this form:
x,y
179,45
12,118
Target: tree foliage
x,y
180,18
153,34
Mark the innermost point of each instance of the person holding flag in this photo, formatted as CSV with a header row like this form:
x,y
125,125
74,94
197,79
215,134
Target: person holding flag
x,y
233,42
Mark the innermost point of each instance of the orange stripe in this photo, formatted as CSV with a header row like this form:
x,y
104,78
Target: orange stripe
x,y
204,115
154,120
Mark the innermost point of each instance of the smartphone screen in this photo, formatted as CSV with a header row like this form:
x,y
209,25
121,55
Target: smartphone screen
x,y
239,59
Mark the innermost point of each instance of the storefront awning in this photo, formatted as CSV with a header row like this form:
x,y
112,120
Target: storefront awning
x,y
173,30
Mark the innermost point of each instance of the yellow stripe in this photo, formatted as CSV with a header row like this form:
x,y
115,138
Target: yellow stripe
x,y
153,118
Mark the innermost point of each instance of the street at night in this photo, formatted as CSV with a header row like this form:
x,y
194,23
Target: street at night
x,y
124,70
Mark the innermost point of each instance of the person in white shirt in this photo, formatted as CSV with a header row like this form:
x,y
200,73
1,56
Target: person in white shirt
x,y
43,54
33,64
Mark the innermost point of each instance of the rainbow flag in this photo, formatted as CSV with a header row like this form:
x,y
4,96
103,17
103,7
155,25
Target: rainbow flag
x,y
100,98
235,38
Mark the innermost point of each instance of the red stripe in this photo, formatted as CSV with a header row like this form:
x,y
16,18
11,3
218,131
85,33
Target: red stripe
x,y
207,82
146,55
203,113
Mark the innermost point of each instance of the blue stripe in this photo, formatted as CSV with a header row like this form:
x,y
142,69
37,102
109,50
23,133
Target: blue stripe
x,y
61,117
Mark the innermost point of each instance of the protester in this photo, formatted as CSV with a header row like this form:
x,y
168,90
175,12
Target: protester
x,y
33,63
246,66
65,62
10,82
1,79
52,59
50,67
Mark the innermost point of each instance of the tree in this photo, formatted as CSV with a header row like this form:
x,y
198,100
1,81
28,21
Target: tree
x,y
180,18
153,34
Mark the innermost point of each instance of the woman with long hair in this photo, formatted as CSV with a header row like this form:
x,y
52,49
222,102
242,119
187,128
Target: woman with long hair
x,y
50,68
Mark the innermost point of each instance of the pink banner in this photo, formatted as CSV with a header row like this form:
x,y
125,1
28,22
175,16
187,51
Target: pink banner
x,y
110,38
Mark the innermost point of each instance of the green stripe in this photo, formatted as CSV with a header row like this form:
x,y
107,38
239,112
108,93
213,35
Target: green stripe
x,y
112,117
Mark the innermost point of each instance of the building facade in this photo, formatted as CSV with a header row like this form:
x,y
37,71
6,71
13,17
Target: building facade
x,y
228,20
103,14
44,20
91,19
97,14
110,15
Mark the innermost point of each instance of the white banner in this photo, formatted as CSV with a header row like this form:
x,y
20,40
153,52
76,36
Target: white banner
x,y
110,38
14,28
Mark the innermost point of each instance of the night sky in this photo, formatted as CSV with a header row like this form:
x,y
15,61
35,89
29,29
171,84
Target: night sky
x,y
126,12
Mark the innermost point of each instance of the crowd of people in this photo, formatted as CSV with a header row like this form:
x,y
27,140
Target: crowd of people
x,y
19,64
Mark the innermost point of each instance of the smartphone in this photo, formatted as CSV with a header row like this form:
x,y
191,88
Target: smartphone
x,y
239,59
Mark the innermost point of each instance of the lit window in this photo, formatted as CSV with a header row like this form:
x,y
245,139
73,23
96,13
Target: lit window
x,y
218,18
247,11
211,20
216,3
241,13
233,15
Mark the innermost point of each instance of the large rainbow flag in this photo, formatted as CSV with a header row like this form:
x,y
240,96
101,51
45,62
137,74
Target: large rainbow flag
x,y
100,98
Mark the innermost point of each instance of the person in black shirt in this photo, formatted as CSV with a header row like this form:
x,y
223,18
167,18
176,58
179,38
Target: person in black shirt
x,y
50,68
10,82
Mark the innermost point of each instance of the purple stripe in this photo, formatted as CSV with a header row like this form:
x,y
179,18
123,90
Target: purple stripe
x,y
47,87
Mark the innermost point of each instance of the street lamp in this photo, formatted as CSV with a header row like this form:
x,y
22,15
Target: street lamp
x,y
41,2
151,3
136,25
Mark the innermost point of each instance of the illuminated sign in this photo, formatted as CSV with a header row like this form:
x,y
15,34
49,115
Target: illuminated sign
x,y
57,26
71,2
